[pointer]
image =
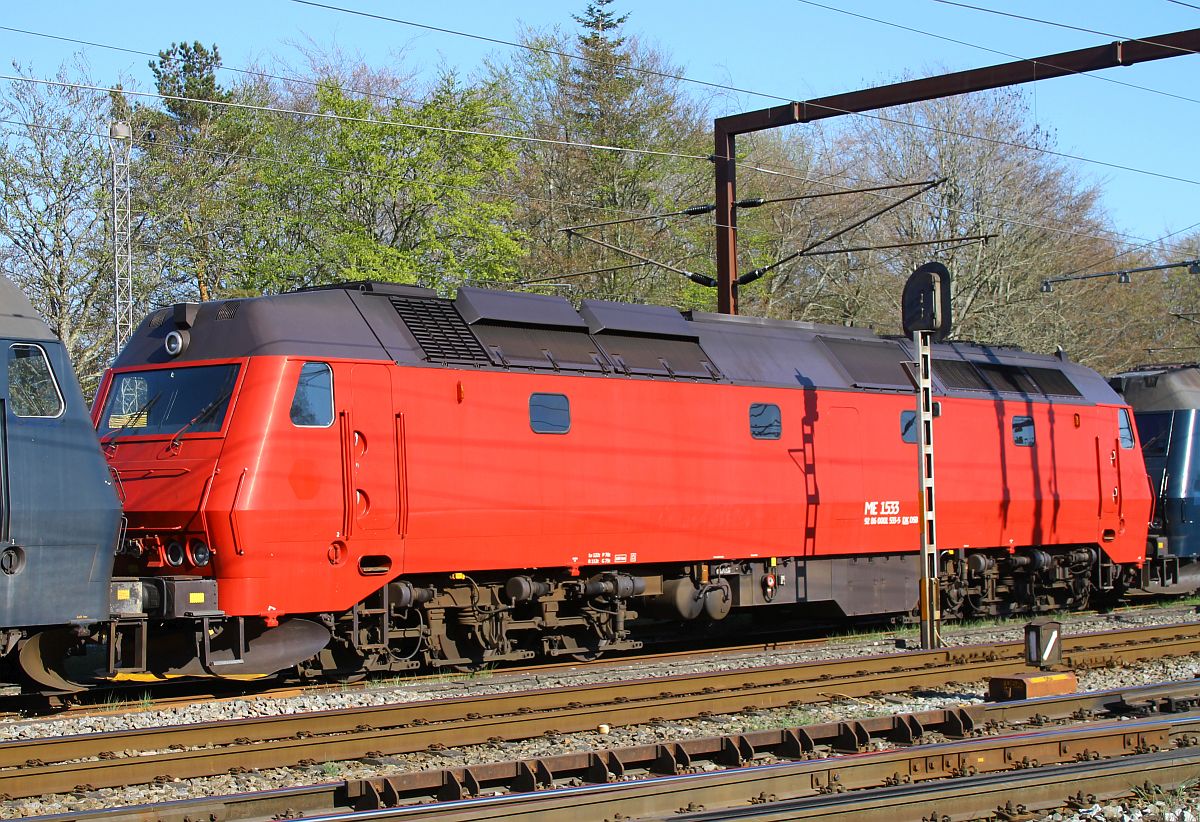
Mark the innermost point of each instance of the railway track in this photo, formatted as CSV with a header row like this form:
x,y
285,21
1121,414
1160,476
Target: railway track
x,y
807,774
127,699
64,764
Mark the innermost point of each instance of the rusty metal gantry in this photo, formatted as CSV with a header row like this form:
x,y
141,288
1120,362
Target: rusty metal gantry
x,y
726,129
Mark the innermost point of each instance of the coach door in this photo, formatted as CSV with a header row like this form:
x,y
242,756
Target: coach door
x,y
372,443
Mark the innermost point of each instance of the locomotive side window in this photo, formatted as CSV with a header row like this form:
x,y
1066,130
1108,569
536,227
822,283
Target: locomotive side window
x,y
1022,431
1125,428
766,421
908,426
32,391
312,404
549,413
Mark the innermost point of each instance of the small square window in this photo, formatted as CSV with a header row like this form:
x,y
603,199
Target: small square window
x,y
908,426
549,413
1022,428
312,404
766,421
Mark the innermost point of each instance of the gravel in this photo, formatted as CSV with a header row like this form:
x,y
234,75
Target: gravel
x,y
487,683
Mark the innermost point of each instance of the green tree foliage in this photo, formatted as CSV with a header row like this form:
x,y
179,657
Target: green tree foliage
x,y
390,192
617,92
192,164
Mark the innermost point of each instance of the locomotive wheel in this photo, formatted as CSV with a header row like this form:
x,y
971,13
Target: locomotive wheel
x,y
44,656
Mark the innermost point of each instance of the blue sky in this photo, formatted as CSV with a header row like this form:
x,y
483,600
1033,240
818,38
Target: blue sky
x,y
789,48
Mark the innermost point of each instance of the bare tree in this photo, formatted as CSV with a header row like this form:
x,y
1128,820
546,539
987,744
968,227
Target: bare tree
x,y
53,212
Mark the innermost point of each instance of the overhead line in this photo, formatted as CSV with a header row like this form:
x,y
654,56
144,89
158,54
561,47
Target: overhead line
x,y
346,172
245,71
319,115
969,44
1067,26
679,77
666,75
963,212
683,78
351,172
321,166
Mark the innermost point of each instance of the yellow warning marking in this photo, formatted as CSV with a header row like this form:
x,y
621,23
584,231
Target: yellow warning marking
x,y
1048,678
122,593
138,420
195,597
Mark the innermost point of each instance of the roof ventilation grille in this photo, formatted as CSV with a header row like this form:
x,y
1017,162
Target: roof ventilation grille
x,y
439,329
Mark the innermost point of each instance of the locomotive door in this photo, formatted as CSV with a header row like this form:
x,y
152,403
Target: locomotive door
x,y
1108,479
372,445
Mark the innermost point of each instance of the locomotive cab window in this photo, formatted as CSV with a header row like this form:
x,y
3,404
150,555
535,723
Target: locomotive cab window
x,y
908,426
32,390
766,421
1124,428
175,402
549,413
312,404
1022,428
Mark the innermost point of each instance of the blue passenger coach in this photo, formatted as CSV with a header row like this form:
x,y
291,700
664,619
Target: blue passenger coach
x,y
1166,404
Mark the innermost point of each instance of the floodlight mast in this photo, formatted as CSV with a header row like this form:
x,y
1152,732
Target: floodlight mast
x,y
726,129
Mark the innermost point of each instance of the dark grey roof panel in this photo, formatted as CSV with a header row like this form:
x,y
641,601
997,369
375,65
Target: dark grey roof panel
x,y
319,324
531,347
18,319
738,320
869,363
480,305
655,356
379,311
757,354
1005,371
605,317
372,287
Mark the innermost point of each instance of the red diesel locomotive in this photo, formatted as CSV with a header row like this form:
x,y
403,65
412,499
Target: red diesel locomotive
x,y
371,477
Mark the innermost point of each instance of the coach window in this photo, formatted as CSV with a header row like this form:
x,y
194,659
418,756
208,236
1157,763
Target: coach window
x,y
1124,428
766,421
1023,431
32,391
312,404
549,413
908,426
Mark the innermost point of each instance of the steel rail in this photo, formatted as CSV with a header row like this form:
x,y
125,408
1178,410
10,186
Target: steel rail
x,y
32,767
1033,749
985,796
675,797
100,700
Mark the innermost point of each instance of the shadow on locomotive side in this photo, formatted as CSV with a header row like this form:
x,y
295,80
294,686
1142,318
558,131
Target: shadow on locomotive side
x,y
369,477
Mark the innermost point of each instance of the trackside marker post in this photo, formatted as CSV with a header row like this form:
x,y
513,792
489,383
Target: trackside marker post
x,y
925,306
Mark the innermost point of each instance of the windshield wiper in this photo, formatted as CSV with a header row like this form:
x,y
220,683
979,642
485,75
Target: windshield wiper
x,y
142,412
204,415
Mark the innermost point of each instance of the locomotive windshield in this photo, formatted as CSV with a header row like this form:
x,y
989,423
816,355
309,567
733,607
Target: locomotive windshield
x,y
171,401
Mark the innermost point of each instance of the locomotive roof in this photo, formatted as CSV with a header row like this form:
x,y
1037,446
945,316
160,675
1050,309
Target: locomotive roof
x,y
486,329
1160,387
18,318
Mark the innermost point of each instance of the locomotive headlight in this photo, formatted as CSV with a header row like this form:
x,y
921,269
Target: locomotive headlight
x,y
199,553
176,343
174,554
